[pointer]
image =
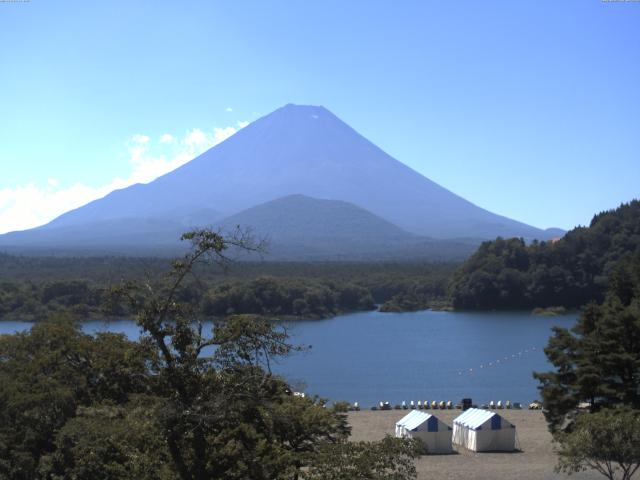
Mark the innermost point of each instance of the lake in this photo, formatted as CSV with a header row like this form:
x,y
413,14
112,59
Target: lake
x,y
373,356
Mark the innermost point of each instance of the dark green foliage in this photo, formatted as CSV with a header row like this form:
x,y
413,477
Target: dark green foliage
x,y
82,286
32,301
570,272
49,372
415,293
405,302
599,359
607,441
183,403
389,459
272,296
109,442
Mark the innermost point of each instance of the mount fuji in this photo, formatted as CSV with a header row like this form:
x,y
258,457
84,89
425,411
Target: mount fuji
x,y
301,153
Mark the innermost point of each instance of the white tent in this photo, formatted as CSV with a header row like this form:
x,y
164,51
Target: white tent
x,y
435,434
484,430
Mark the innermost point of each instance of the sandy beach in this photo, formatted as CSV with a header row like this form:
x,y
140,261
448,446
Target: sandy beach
x,y
534,461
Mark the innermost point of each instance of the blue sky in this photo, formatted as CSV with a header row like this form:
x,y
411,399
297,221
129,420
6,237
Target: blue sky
x,y
528,109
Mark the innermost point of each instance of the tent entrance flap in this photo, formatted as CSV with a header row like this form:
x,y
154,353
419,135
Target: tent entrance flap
x,y
496,422
432,424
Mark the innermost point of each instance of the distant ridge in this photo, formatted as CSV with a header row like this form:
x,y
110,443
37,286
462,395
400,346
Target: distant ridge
x,y
294,150
299,227
295,227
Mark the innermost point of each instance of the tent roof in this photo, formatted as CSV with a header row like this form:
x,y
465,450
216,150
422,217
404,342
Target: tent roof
x,y
413,419
474,418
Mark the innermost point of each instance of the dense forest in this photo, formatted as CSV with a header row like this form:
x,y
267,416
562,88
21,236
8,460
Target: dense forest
x,y
85,287
502,274
569,272
103,407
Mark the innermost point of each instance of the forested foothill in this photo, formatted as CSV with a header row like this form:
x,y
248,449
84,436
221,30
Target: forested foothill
x,y
567,272
503,274
31,288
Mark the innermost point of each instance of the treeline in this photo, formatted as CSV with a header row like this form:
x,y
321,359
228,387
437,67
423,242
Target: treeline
x,y
113,269
102,407
267,296
569,272
414,294
34,301
271,296
316,290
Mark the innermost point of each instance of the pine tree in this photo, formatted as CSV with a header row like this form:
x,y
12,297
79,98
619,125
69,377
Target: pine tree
x,y
598,360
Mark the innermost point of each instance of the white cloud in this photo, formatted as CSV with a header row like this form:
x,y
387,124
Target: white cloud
x,y
195,138
221,134
141,139
30,205
228,109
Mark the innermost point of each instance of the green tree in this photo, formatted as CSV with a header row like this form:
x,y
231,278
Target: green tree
x,y
109,442
607,441
570,272
47,374
389,459
598,360
221,414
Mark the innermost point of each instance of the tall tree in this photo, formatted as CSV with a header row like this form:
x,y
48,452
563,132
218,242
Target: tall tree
x,y
598,360
220,404
607,442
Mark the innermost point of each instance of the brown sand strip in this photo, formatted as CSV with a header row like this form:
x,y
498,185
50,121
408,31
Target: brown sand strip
x,y
535,461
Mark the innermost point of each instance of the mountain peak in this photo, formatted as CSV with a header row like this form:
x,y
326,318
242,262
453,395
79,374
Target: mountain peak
x,y
295,112
300,149
289,107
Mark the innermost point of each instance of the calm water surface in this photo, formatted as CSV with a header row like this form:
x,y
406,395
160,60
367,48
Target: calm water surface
x,y
373,356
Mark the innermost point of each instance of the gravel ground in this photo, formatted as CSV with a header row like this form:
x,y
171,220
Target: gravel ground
x,y
534,461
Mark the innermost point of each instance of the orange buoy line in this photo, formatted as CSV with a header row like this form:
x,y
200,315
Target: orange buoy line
x,y
500,361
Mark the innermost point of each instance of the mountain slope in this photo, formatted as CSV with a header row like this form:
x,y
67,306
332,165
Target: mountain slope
x,y
303,150
295,227
300,227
